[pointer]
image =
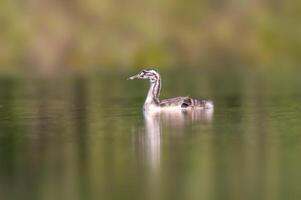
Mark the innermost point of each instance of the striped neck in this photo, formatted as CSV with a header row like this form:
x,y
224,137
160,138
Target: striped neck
x,y
154,91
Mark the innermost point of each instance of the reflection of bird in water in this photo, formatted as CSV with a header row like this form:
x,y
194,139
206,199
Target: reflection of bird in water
x,y
181,117
151,140
153,102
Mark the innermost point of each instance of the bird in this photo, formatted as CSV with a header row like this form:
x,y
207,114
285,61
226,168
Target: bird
x,y
153,102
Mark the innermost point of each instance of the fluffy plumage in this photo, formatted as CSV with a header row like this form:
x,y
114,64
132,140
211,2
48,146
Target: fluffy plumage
x,y
153,102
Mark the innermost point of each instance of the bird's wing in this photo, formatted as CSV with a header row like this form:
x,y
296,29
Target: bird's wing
x,y
184,102
177,101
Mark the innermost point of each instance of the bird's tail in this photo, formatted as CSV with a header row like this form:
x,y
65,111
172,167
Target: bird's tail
x,y
202,103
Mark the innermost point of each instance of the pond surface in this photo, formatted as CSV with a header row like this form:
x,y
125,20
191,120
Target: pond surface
x,y
87,138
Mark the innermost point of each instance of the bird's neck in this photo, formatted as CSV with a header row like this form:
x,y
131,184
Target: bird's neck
x,y
153,92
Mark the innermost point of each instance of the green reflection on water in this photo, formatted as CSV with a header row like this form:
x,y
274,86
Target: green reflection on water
x,y
87,138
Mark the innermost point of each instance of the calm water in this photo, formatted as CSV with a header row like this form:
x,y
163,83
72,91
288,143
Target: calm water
x,y
87,138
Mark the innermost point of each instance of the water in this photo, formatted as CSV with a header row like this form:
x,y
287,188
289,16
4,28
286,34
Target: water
x,y
87,138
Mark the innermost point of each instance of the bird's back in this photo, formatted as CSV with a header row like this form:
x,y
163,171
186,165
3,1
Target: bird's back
x,y
186,102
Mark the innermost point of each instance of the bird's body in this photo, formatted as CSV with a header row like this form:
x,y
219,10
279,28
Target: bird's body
x,y
153,103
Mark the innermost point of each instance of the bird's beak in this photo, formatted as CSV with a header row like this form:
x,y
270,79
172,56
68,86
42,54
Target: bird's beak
x,y
133,77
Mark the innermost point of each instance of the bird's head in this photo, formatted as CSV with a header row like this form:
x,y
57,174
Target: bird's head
x,y
149,74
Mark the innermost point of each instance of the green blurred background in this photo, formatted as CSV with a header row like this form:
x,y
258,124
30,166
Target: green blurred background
x,y
55,35
83,135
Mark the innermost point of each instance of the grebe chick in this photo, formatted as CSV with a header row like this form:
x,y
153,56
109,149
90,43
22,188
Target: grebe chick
x,y
153,102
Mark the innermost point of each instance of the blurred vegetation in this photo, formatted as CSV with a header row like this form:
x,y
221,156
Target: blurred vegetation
x,y
76,34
